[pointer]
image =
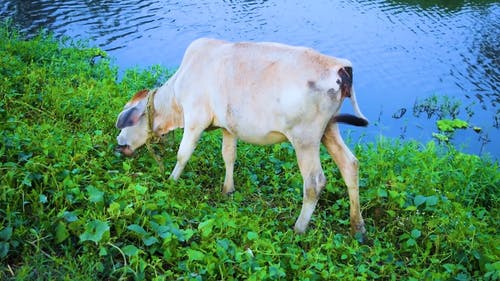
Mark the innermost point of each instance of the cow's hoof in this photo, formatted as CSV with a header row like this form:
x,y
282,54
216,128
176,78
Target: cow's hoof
x,y
359,233
362,238
299,229
228,191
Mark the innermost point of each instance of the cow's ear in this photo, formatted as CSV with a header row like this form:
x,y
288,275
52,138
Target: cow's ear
x,y
130,116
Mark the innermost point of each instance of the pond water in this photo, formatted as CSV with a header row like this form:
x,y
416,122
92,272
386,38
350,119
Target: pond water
x,y
404,51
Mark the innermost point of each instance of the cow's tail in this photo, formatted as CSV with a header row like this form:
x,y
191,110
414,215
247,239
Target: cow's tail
x,y
350,119
345,74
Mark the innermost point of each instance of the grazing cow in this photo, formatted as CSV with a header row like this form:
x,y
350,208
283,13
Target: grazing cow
x,y
261,93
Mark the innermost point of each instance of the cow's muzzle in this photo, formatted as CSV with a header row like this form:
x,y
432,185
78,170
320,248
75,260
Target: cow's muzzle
x,y
125,150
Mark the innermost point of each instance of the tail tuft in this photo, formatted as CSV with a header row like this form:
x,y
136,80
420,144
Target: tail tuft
x,y
351,120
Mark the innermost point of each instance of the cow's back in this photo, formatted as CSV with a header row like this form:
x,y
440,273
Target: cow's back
x,y
259,91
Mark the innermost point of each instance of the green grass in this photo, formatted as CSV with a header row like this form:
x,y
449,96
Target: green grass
x,y
71,208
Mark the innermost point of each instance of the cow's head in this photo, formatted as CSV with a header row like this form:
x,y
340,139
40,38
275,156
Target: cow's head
x,y
134,123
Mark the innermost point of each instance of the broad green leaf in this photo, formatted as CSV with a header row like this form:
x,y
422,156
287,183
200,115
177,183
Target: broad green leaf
x,y
206,227
130,250
195,255
449,267
411,242
95,195
61,232
252,235
94,231
163,231
187,234
137,229
114,208
224,243
126,166
419,200
382,192
103,251
431,200
415,233
6,233
70,216
275,271
476,254
140,189
4,249
493,266
177,232
411,208
148,241
462,277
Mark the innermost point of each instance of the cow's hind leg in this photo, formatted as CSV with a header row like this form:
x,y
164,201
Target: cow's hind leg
x,y
314,181
229,156
188,143
348,165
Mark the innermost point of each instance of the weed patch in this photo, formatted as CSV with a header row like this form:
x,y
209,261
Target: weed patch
x,y
73,208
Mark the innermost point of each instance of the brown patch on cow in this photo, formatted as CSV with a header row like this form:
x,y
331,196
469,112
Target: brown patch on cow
x,y
345,74
270,73
331,92
173,121
320,63
165,128
139,96
312,85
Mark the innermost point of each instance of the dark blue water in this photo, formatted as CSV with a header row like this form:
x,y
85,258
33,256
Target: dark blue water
x,y
404,52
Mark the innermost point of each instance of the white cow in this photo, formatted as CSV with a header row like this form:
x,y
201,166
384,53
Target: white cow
x,y
261,93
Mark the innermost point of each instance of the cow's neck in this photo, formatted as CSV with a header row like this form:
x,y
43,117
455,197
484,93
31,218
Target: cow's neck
x,y
169,115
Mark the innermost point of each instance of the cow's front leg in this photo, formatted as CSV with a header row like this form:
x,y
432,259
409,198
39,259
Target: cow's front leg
x,y
348,166
229,156
188,143
314,181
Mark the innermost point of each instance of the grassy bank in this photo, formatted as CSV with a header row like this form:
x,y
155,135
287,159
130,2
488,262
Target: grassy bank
x,y
71,208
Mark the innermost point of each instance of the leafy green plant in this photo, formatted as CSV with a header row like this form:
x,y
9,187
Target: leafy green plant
x,y
73,208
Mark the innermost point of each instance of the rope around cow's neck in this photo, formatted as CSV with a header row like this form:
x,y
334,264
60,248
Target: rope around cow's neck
x,y
151,134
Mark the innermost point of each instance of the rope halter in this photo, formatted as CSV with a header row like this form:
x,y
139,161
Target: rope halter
x,y
150,108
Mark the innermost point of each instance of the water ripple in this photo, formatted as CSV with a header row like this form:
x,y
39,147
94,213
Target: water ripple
x,y
402,50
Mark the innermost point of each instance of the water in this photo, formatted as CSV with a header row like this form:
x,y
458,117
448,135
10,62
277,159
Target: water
x,y
403,51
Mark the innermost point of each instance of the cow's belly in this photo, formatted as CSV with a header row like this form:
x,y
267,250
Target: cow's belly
x,y
261,139
260,119
256,130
